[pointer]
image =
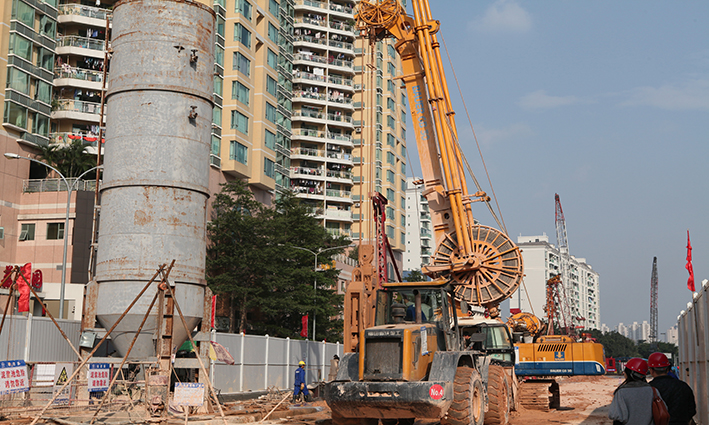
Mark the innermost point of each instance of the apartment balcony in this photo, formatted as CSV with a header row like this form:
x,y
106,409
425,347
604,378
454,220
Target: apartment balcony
x,y
340,156
67,137
309,57
311,4
78,77
345,46
344,83
340,139
307,134
84,15
340,232
309,39
341,195
339,215
304,20
345,11
318,115
340,120
341,26
306,172
56,185
307,153
308,76
78,110
77,45
340,176
305,95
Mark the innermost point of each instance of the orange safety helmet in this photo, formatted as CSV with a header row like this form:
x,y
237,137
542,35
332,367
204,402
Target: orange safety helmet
x,y
638,365
658,360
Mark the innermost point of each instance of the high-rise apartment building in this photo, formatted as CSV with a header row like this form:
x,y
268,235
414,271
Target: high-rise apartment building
x,y
292,93
419,243
542,261
254,122
323,88
380,143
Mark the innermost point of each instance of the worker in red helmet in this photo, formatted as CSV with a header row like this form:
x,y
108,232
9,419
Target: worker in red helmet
x,y
632,400
678,396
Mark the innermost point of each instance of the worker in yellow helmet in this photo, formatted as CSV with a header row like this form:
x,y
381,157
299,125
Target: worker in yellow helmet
x,y
300,386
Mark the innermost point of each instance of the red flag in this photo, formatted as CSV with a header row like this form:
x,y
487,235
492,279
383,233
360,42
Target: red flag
x,y
214,308
23,304
690,281
304,330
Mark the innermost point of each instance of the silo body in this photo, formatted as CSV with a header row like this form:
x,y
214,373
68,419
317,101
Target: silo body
x,y
156,175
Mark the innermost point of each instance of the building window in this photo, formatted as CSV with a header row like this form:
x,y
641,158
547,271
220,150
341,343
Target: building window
x,y
218,86
272,59
403,168
242,35
271,86
23,12
55,231
244,8
272,33
269,168
240,122
391,122
271,112
27,232
391,159
270,140
242,64
21,47
15,115
240,92
391,104
18,80
219,56
390,176
238,152
391,140
220,25
273,7
216,145
390,195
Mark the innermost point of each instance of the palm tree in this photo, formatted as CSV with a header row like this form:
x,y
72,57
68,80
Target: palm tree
x,y
70,159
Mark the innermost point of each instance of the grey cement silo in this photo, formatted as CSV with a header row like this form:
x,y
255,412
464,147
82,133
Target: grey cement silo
x,y
156,176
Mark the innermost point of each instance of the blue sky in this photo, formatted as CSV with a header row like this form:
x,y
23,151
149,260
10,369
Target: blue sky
x,y
607,104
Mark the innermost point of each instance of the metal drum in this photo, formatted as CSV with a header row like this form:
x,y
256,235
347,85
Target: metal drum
x,y
156,176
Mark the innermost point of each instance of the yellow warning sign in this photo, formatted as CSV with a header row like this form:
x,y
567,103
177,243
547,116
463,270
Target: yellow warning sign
x,y
61,380
62,372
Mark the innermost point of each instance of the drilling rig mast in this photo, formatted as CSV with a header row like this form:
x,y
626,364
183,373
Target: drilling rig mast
x,y
564,307
653,302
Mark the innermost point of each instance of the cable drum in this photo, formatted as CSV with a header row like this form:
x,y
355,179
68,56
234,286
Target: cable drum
x,y
491,274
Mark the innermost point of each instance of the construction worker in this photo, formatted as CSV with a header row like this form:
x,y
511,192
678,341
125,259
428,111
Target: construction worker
x,y
300,386
632,400
678,396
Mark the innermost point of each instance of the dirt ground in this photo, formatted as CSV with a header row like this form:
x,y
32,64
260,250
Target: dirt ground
x,y
584,400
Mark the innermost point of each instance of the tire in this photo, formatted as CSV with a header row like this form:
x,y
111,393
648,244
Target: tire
x,y
468,399
498,393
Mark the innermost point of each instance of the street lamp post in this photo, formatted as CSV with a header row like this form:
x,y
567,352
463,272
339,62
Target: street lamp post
x,y
315,282
69,189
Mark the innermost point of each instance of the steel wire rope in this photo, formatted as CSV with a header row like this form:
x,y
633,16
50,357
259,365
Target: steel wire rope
x,y
494,195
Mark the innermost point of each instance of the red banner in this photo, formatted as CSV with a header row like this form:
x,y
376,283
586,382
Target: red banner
x,y
37,280
6,281
304,329
688,266
23,304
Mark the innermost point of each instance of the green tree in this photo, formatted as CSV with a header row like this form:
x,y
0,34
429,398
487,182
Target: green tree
x,y
251,258
70,159
415,276
615,344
